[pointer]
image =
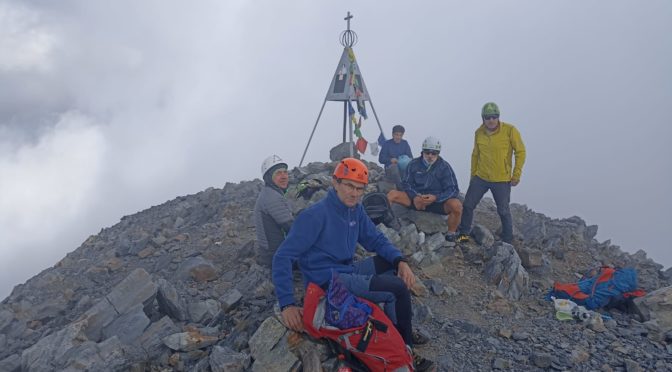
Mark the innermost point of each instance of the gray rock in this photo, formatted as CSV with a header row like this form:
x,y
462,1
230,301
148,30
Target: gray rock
x,y
422,313
42,355
591,232
197,268
342,151
189,341
578,355
409,238
506,271
203,311
520,336
98,317
657,306
632,366
254,279
482,235
6,318
136,288
434,243
266,337
202,364
90,356
530,258
418,257
3,341
158,241
541,360
278,359
392,235
179,221
223,359
429,223
11,364
170,302
151,340
500,363
128,326
129,246
231,299
436,287
308,352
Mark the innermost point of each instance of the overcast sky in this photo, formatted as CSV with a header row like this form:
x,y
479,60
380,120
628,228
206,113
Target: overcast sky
x,y
108,108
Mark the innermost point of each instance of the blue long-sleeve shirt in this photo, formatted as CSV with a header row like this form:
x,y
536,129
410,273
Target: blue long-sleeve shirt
x,y
437,179
391,150
322,238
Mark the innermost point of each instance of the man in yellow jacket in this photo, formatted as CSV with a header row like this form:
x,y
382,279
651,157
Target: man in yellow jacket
x,y
495,144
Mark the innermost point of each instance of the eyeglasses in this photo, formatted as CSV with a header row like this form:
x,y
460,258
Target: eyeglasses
x,y
491,117
430,152
352,188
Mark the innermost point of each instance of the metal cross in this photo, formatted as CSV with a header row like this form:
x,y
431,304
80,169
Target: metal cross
x,y
348,18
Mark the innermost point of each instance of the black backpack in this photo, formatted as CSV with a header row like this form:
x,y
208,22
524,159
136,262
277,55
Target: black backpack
x,y
378,209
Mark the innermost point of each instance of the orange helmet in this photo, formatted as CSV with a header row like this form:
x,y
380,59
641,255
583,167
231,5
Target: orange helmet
x,y
352,169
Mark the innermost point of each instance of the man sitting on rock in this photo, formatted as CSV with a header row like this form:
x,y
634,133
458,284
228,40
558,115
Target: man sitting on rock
x,y
324,238
430,185
391,151
272,213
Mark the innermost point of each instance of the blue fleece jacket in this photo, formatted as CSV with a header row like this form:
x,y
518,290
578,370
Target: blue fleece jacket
x,y
437,179
322,238
393,150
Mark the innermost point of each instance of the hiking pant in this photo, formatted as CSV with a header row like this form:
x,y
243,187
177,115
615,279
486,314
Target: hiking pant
x,y
501,192
375,280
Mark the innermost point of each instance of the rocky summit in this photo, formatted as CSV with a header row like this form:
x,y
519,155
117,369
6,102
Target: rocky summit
x,y
176,288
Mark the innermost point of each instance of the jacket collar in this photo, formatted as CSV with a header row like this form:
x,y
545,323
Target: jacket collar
x,y
336,203
426,167
275,187
485,130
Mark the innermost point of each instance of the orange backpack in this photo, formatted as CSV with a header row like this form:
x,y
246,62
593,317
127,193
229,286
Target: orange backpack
x,y
377,343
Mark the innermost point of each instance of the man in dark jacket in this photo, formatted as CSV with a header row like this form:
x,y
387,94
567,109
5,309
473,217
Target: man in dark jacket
x,y
392,150
324,239
272,213
430,185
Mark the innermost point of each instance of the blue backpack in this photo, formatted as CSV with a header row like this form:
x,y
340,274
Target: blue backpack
x,y
344,310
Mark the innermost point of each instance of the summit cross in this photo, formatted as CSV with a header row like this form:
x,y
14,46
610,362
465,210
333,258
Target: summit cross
x,y
348,18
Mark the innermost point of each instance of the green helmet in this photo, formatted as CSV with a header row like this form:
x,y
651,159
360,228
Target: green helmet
x,y
489,109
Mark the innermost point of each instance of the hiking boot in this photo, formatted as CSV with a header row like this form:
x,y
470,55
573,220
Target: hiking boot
x,y
451,237
421,364
463,238
419,338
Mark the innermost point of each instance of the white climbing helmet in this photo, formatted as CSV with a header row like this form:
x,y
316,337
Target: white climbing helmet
x,y
431,143
270,162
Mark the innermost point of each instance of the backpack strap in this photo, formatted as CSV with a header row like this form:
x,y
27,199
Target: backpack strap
x,y
367,334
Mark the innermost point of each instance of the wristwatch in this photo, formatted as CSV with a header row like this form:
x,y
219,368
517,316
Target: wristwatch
x,y
399,259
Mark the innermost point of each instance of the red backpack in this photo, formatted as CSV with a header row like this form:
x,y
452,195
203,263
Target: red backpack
x,y
377,343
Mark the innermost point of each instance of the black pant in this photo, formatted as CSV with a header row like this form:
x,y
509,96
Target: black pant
x,y
386,281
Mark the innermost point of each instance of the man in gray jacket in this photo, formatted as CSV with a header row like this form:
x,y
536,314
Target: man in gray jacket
x,y
272,213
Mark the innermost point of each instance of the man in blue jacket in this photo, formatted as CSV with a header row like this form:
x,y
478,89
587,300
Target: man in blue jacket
x,y
324,238
430,185
391,151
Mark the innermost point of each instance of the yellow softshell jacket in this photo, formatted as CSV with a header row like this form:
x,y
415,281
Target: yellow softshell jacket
x,y
491,158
